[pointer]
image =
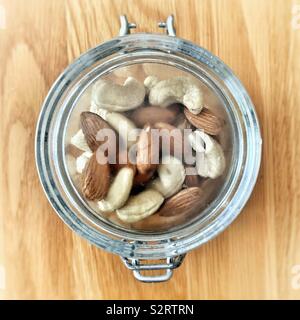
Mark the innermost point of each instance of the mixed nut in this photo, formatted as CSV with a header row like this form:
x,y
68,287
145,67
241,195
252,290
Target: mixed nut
x,y
144,149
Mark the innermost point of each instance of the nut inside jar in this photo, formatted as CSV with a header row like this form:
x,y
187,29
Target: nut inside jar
x,y
148,147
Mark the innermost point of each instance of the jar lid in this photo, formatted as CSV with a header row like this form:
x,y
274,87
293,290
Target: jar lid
x,y
129,89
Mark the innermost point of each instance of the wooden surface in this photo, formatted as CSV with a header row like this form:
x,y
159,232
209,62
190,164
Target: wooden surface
x,y
256,256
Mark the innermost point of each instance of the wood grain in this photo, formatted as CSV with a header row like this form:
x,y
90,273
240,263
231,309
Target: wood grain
x,y
253,258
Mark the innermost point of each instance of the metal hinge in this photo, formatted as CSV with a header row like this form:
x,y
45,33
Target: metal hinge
x,y
137,266
168,25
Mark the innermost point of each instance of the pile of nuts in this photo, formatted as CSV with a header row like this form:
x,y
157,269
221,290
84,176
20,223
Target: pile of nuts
x,y
126,171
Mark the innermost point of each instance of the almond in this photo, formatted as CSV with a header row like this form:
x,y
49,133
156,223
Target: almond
x,y
163,125
185,202
96,178
159,222
122,161
91,124
205,120
182,122
142,178
146,152
192,179
73,150
152,114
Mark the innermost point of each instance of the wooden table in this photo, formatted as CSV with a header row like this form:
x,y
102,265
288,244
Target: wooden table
x,y
258,256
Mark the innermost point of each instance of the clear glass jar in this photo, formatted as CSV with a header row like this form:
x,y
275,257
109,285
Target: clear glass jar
x,y
53,131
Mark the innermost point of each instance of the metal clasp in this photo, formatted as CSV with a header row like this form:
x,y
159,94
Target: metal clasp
x,y
169,26
136,266
127,26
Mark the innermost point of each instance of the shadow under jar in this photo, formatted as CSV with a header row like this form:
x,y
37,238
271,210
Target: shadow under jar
x,y
156,237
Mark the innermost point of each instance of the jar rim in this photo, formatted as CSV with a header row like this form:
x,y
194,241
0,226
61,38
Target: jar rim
x,y
149,246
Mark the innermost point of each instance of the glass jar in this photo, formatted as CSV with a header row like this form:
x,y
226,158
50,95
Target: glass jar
x,y
68,94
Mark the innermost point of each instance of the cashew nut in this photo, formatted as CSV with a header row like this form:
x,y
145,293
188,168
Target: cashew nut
x,y
125,127
140,206
210,159
150,82
95,109
82,160
114,97
178,89
119,190
135,70
78,140
171,175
